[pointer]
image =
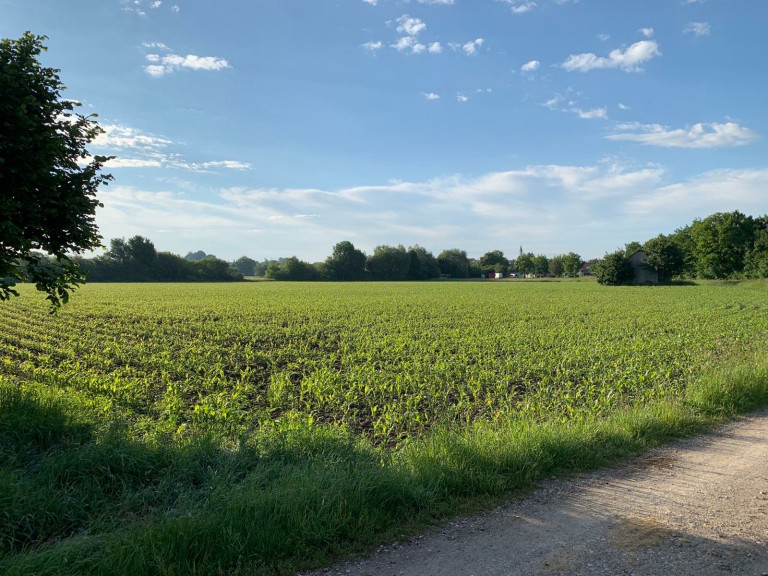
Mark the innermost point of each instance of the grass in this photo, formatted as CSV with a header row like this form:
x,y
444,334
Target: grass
x,y
263,428
81,497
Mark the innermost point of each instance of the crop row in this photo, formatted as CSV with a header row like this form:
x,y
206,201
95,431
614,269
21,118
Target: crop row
x,y
385,360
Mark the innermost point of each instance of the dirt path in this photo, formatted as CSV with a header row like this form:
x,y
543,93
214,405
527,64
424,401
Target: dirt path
x,y
697,507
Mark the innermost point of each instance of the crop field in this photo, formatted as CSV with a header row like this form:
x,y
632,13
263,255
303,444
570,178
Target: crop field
x,y
174,375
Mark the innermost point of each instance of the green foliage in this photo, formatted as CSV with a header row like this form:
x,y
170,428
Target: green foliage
x,y
524,264
721,242
572,263
246,266
423,265
631,247
665,256
137,260
389,263
265,428
454,262
613,269
556,266
47,178
293,270
494,261
346,263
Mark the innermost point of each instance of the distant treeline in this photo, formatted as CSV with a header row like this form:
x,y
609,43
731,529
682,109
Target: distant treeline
x,y
725,245
720,246
137,260
394,263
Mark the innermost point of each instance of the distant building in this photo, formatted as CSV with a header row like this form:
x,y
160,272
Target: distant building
x,y
644,274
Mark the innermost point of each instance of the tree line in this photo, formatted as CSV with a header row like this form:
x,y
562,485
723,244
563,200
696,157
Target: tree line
x,y
394,263
724,245
137,260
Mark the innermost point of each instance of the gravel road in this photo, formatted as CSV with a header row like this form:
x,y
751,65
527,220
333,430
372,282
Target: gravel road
x,y
699,507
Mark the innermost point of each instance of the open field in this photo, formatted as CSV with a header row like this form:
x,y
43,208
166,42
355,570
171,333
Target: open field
x,y
265,427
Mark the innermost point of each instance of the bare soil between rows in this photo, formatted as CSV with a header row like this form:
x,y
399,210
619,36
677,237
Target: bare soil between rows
x,y
699,506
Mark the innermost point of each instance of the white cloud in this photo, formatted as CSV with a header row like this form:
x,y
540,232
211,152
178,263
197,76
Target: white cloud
x,y
647,32
435,48
431,95
155,45
371,2
471,48
714,135
409,42
603,37
372,46
520,6
697,28
175,9
622,106
628,60
471,213
461,98
228,164
136,149
410,26
444,2
120,137
530,66
157,4
601,113
713,191
162,65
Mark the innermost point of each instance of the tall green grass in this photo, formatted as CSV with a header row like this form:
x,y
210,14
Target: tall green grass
x,y
81,493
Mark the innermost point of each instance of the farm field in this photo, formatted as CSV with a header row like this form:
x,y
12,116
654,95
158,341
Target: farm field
x,y
209,428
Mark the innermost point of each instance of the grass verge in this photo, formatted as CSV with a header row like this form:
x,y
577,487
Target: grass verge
x,y
81,495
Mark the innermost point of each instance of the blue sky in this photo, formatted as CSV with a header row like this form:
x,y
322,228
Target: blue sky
x,y
273,128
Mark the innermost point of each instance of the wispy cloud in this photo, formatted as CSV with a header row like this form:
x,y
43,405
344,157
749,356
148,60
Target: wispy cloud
x,y
136,149
431,95
472,213
629,60
594,113
697,28
443,2
462,98
647,32
372,46
713,135
161,65
371,2
713,191
530,66
520,6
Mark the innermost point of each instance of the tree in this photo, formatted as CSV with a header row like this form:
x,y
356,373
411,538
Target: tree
x,y
293,269
454,262
246,265
631,247
540,265
556,265
48,180
572,263
494,261
664,256
346,262
389,263
524,264
721,242
423,265
756,260
614,269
